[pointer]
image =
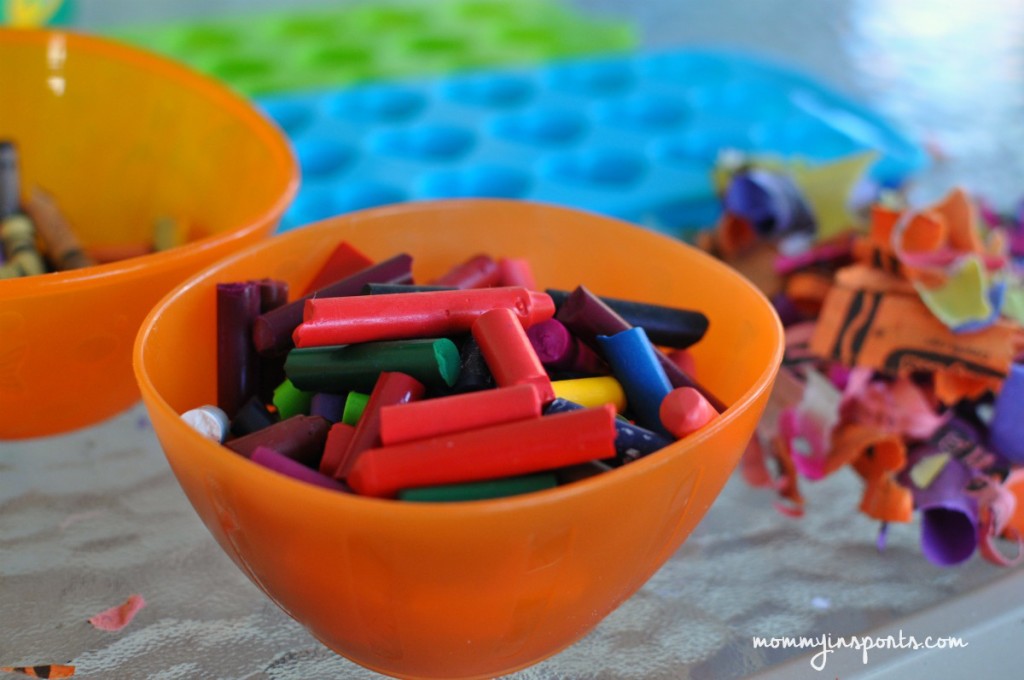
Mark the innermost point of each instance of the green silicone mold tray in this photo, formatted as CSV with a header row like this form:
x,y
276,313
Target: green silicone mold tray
x,y
381,40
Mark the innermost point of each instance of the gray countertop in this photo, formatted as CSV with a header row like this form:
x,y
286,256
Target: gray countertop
x,y
88,518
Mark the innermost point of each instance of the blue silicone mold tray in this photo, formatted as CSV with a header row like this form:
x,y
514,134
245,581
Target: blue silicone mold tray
x,y
634,137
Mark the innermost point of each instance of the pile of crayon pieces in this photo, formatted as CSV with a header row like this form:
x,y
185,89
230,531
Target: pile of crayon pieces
x,y
904,343
36,238
475,385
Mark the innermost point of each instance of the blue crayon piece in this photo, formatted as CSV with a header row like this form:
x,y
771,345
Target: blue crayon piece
x,y
631,441
634,363
1006,433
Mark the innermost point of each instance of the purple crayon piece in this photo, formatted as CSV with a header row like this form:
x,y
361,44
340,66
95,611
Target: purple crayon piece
x,y
273,294
238,305
272,460
272,332
587,317
1006,432
329,406
300,438
560,350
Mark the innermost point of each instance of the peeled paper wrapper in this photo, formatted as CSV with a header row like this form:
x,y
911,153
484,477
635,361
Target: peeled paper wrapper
x,y
769,201
118,617
949,515
896,334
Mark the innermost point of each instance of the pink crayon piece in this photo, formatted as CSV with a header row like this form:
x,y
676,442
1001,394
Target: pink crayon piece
x,y
367,318
446,415
509,354
684,410
506,450
272,460
516,271
391,388
560,350
479,271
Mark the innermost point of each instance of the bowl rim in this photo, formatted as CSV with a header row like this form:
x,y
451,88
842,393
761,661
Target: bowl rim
x,y
241,109
440,511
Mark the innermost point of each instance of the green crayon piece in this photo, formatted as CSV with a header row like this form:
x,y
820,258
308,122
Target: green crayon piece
x,y
475,491
355,403
290,400
341,368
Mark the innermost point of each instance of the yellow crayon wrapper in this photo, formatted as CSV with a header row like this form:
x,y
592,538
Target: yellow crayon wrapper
x,y
592,392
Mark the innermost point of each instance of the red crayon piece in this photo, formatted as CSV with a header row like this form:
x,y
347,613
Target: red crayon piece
x,y
345,260
684,410
684,360
479,271
272,460
457,413
507,450
391,388
516,271
509,354
272,332
338,439
367,318
300,438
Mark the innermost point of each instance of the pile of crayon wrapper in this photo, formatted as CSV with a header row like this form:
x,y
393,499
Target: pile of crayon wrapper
x,y
903,348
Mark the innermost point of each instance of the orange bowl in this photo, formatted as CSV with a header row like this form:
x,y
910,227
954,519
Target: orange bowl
x,y
120,138
480,588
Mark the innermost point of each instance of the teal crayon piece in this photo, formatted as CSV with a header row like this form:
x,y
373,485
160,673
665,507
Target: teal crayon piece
x,y
476,491
291,401
355,403
341,368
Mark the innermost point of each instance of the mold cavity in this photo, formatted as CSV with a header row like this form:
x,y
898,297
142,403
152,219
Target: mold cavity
x,y
598,167
644,112
542,126
358,195
437,46
392,18
427,142
481,181
702,144
317,28
591,77
242,67
321,157
293,117
341,56
378,104
496,90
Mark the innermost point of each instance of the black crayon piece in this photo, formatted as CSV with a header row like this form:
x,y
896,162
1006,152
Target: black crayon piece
x,y
665,326
389,288
272,332
474,374
252,417
631,441
575,473
587,316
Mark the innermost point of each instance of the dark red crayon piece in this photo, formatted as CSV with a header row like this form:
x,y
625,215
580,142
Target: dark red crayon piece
x,y
273,294
367,318
273,460
238,305
300,438
479,271
587,316
506,450
509,354
272,332
458,412
391,388
344,261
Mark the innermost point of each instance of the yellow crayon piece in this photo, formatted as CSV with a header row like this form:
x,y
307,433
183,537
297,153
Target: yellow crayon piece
x,y
18,237
168,233
592,392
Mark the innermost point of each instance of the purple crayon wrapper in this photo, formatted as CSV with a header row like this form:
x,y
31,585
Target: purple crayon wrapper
x,y
769,201
949,514
272,460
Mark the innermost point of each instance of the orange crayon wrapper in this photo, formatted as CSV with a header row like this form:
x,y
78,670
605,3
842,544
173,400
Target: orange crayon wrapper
x,y
895,333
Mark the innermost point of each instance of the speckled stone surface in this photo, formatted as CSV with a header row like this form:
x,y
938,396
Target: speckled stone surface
x,y
89,518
